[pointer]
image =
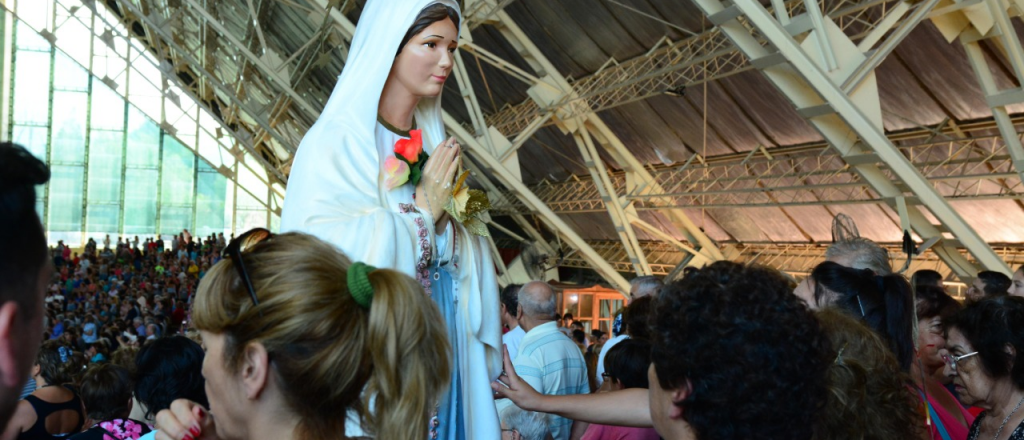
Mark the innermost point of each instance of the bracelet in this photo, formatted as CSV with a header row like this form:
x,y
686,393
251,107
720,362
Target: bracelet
x,y
431,209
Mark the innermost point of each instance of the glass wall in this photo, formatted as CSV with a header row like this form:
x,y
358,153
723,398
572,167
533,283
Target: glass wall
x,y
131,154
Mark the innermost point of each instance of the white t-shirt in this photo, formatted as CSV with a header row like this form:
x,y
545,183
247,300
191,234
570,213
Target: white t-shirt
x,y
604,351
512,340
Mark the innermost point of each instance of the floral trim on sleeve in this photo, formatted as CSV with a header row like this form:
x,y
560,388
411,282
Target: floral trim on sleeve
x,y
423,261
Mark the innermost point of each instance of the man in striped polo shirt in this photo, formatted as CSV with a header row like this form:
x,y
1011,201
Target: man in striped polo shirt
x,y
548,360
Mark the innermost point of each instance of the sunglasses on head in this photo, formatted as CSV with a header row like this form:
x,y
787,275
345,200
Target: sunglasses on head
x,y
234,251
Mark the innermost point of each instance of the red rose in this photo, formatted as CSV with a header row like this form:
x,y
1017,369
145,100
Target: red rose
x,y
411,148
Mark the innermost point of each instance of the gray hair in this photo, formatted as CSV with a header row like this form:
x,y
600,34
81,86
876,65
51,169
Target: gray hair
x,y
860,253
537,299
647,285
531,425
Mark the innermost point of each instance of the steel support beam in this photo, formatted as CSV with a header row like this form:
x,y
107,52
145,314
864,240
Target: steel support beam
x,y
613,204
1004,36
646,182
849,124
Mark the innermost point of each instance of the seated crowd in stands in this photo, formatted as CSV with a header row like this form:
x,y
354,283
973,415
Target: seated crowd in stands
x,y
291,339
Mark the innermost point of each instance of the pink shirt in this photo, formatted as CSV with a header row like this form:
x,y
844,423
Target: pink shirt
x,y
953,427
606,432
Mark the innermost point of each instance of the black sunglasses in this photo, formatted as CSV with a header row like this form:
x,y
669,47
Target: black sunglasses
x,y
234,251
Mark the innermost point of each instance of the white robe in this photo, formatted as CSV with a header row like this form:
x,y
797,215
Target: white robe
x,y
336,192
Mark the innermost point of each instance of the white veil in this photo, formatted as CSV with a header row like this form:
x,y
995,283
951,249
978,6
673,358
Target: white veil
x,y
335,192
354,99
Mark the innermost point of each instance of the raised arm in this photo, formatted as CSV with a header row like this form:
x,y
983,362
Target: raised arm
x,y
628,407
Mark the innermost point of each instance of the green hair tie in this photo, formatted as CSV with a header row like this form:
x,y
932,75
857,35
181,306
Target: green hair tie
x,y
359,283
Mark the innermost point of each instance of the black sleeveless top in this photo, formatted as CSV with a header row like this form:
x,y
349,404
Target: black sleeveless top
x,y
1017,434
44,409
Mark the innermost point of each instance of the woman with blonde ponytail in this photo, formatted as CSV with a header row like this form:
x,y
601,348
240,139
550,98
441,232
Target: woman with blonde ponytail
x,y
304,344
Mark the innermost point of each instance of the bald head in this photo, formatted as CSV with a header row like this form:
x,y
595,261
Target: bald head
x,y
537,299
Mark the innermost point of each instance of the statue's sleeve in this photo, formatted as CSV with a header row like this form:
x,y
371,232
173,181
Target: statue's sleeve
x,y
333,193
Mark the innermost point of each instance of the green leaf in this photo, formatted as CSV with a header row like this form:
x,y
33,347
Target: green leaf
x,y
415,173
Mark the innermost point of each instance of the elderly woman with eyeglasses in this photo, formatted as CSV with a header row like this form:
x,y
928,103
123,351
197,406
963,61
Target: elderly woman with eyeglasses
x,y
982,343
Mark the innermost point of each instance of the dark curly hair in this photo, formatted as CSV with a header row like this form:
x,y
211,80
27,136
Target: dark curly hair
x,y
990,324
168,369
745,343
868,394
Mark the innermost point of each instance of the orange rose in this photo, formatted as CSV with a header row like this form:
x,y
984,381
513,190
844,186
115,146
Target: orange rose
x,y
411,148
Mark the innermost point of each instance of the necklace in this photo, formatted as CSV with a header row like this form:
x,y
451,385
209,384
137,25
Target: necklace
x,y
1007,419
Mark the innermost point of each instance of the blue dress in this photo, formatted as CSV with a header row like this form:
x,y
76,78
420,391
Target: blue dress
x,y
450,412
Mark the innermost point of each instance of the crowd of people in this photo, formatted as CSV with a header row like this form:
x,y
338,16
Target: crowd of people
x,y
285,337
277,336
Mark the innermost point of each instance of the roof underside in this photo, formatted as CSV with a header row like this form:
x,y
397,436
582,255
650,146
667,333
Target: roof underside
x,y
928,91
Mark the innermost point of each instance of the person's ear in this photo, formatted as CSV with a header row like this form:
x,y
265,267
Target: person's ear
x,y
678,396
9,375
255,370
519,312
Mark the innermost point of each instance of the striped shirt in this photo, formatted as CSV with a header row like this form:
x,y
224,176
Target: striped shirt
x,y
30,387
552,364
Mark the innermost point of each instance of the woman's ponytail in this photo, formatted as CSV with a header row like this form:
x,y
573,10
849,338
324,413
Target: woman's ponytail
x,y
408,345
898,301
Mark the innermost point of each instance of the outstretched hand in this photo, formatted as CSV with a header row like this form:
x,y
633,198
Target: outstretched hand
x,y
510,386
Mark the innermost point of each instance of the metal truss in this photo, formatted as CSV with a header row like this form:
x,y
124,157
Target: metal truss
x,y
830,80
708,56
962,168
553,87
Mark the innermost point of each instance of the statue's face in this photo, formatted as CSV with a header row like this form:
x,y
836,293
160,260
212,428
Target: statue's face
x,y
425,62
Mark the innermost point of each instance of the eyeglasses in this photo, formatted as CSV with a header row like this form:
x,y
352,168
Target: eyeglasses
x,y
513,432
606,375
234,251
952,361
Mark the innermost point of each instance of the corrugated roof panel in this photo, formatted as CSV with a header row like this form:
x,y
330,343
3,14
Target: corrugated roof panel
x,y
739,224
944,70
687,121
997,221
782,124
562,41
647,134
775,224
816,221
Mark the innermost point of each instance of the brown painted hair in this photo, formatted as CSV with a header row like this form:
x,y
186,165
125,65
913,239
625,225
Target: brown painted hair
x,y
429,15
330,353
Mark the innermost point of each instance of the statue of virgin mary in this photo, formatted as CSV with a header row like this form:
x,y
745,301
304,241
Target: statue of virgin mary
x,y
373,177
